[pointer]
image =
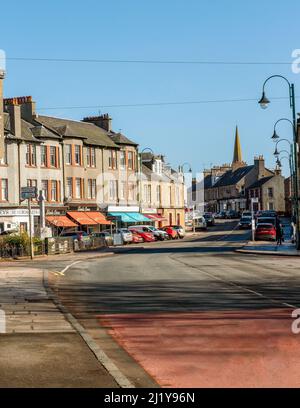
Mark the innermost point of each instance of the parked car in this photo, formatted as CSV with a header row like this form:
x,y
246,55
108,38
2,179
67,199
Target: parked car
x,y
125,233
245,222
137,238
209,218
158,234
247,214
109,239
265,232
200,223
232,214
221,215
79,235
180,230
172,232
146,235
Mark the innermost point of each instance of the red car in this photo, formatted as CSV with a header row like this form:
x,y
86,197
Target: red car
x,y
265,232
173,234
146,236
136,238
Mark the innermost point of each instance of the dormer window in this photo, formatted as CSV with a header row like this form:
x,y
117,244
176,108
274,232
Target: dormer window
x,y
157,167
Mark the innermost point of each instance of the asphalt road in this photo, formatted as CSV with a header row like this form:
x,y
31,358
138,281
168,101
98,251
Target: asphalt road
x,y
192,313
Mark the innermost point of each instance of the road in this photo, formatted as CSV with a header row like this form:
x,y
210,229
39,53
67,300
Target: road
x,y
192,313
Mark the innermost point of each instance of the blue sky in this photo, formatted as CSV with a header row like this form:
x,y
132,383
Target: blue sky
x,y
215,30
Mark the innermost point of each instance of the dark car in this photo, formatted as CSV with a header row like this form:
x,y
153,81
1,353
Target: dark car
x,y
245,223
209,218
221,215
232,214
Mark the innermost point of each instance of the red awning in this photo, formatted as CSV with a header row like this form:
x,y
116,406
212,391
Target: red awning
x,y
81,217
60,221
98,217
155,217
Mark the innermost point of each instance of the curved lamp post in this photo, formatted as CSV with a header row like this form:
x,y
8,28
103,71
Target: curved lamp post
x,y
140,173
264,103
181,167
275,134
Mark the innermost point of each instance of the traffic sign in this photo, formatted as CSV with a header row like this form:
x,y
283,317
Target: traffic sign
x,y
28,192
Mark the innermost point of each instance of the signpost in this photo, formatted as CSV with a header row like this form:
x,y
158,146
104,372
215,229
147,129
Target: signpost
x,y
253,200
27,193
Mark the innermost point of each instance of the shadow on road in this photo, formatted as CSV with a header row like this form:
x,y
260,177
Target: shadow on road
x,y
178,296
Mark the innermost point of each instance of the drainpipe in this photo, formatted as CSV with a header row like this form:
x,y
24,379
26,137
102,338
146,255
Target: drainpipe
x,y
19,172
63,170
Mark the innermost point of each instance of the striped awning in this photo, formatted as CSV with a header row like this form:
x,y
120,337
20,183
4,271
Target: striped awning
x,y
81,218
98,217
60,221
156,217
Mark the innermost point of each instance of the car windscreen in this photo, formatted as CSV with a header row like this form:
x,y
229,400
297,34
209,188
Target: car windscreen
x,y
265,227
267,220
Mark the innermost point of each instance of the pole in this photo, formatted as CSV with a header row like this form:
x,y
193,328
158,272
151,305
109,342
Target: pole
x,y
194,229
30,229
295,146
252,221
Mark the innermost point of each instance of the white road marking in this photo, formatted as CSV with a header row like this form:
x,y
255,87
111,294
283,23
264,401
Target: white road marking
x,y
62,272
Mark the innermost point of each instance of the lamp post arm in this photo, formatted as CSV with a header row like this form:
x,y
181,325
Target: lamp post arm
x,y
283,140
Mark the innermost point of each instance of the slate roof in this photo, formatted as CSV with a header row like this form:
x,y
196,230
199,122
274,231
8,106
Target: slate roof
x,y
150,175
230,178
91,133
121,139
260,182
26,133
41,131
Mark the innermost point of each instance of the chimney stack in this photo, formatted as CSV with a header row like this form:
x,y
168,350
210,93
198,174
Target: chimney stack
x,y
26,104
2,75
102,121
12,107
259,163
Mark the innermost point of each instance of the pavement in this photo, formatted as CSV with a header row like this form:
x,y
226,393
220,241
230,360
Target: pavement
x,y
269,248
39,347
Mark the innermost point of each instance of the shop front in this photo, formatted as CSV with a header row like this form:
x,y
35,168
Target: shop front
x,y
17,219
126,216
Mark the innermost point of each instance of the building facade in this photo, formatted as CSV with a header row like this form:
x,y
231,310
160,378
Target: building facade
x,y
162,191
75,166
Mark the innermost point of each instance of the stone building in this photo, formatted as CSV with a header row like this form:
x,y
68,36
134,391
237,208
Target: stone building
x,y
162,191
229,190
270,193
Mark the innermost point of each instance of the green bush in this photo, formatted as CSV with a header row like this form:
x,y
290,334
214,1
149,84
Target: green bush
x,y
17,240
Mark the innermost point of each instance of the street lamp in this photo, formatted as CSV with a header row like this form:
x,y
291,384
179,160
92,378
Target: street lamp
x,y
185,164
140,156
275,134
264,102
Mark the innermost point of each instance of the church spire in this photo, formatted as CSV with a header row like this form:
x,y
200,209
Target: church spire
x,y
237,154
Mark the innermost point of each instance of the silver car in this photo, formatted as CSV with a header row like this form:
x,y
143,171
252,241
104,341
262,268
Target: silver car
x,y
125,233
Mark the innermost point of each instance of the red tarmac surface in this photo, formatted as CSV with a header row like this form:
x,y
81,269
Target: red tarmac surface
x,y
254,348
